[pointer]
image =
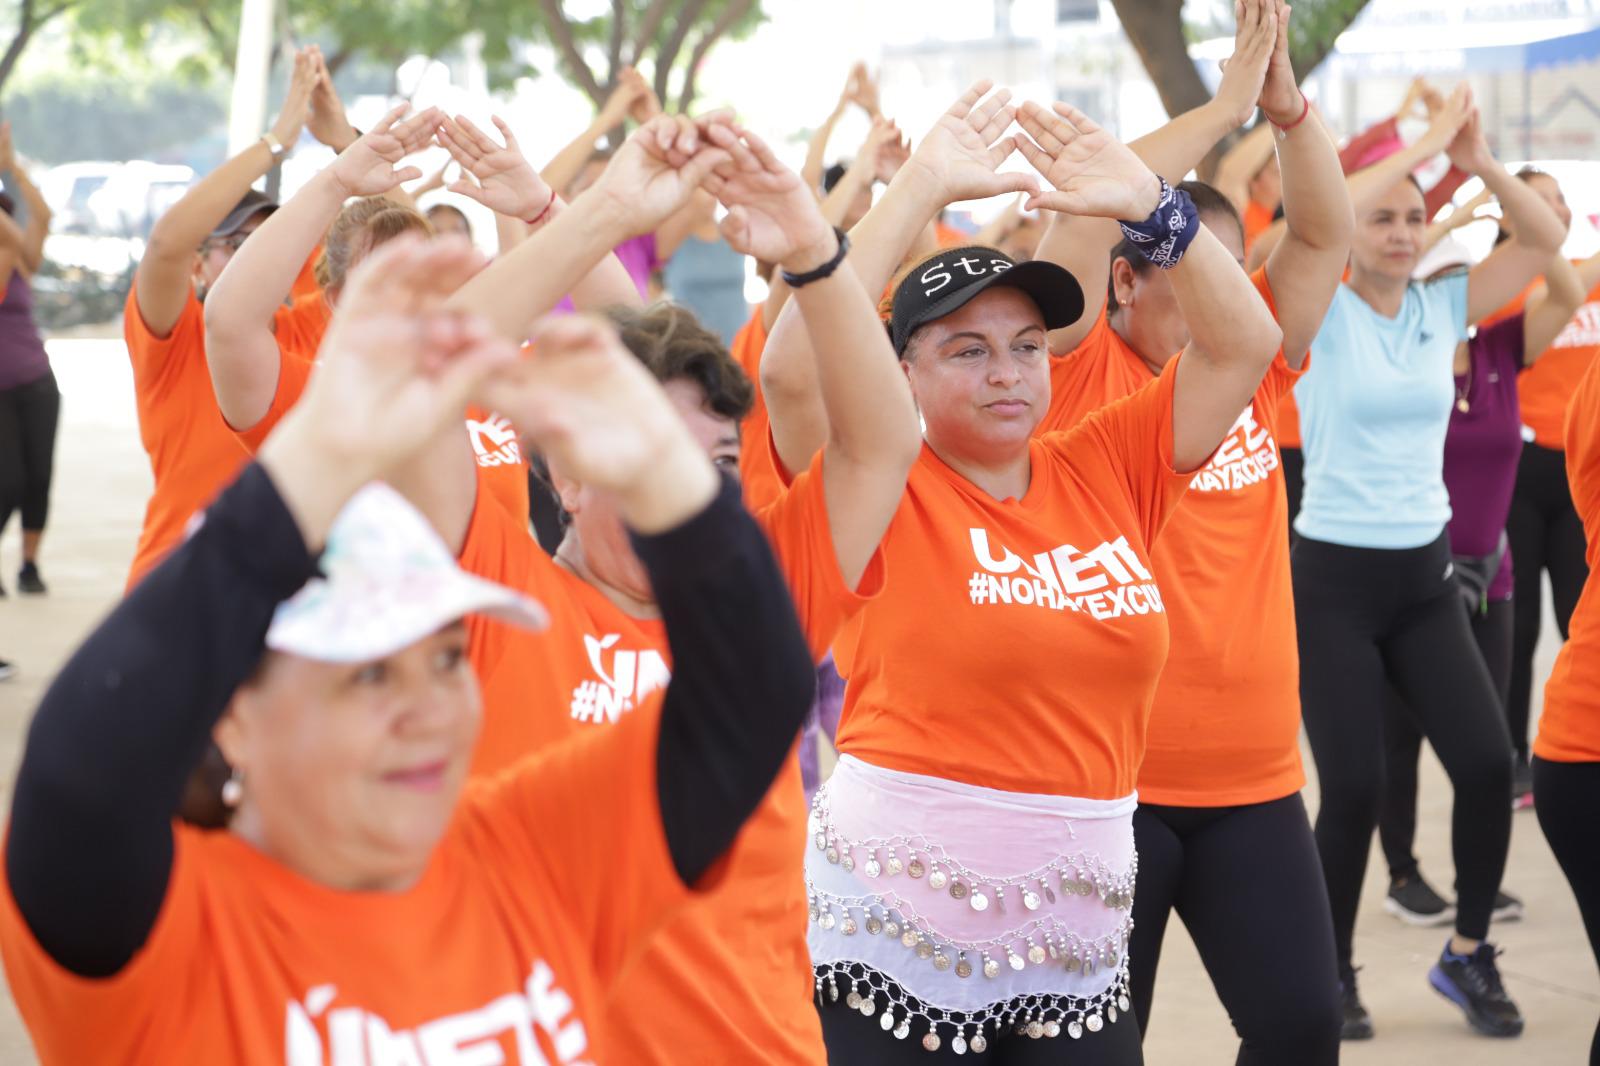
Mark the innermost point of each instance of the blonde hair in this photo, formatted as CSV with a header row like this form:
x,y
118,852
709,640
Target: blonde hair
x,y
362,225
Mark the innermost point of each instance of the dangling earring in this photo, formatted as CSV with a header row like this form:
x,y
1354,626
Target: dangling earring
x,y
233,789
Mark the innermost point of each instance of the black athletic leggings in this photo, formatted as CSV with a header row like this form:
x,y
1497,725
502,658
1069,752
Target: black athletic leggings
x,y
1569,809
854,1040
1247,883
1397,824
1369,618
28,417
1546,535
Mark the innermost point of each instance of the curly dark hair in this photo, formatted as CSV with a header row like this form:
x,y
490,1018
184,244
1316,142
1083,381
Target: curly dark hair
x,y
669,340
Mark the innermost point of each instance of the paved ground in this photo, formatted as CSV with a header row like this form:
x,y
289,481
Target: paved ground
x,y
101,487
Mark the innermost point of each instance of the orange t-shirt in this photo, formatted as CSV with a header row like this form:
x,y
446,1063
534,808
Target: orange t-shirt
x,y
503,952
1018,642
1569,729
729,980
1544,388
502,469
1225,725
193,453
1257,220
306,283
758,475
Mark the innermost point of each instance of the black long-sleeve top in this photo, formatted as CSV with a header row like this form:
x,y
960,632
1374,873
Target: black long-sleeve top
x,y
90,847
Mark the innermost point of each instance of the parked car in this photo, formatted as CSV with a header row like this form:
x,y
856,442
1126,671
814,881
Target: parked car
x,y
131,200
67,189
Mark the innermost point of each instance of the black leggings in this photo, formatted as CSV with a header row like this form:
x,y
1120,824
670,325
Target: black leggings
x,y
1568,810
1397,824
855,1040
28,417
1369,618
1545,535
1248,886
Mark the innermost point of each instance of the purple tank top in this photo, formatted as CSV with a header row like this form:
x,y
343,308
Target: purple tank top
x,y
22,358
1483,446
638,257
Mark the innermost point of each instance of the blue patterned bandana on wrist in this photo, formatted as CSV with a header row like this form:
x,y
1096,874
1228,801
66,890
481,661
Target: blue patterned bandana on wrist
x,y
1165,235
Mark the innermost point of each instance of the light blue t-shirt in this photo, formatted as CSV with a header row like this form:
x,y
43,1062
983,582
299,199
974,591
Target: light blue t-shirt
x,y
1374,410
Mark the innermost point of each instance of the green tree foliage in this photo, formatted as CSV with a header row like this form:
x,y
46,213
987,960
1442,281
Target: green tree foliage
x,y
105,115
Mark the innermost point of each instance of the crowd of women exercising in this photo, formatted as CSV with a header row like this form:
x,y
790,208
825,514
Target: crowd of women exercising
x,y
455,709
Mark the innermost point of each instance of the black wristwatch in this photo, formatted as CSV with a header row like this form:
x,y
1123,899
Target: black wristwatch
x,y
795,281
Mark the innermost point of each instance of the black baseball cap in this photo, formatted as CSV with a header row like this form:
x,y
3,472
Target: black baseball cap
x,y
946,282
250,205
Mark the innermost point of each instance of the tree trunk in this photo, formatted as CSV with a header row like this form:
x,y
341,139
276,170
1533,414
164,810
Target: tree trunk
x,y
648,27
668,53
619,23
567,46
24,34
1155,29
736,10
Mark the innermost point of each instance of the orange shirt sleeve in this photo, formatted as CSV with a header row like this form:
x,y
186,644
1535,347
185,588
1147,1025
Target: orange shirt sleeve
x,y
77,1019
294,370
154,358
1583,456
802,539
306,283
500,548
1135,436
585,815
299,327
759,476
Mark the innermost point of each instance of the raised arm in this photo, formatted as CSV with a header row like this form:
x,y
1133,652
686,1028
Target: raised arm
x,y
128,717
1464,215
29,238
500,178
163,278
594,409
652,174
1244,160
240,346
1536,231
1548,310
1305,268
955,161
1233,337
873,434
1082,244
817,148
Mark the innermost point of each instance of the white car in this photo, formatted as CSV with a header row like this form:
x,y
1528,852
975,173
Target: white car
x,y
130,201
67,189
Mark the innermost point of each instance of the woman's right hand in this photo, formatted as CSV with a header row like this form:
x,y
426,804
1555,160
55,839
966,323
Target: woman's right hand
x,y
369,166
505,181
654,173
772,216
1089,171
1446,122
1244,73
965,148
297,102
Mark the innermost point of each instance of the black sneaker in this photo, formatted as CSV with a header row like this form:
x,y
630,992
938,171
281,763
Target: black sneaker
x,y
1507,908
1357,1022
1522,785
7,670
29,581
1414,902
1473,984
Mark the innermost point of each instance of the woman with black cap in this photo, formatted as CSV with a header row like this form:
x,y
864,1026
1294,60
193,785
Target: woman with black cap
x,y
972,865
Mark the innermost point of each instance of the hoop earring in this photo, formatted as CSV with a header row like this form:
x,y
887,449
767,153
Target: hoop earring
x,y
233,789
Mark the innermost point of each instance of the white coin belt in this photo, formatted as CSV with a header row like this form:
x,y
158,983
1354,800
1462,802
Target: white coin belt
x,y
1083,873
1041,941
1035,1016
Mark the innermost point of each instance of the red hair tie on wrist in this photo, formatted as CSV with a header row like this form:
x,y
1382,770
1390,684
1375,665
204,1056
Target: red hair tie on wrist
x,y
1304,111
540,217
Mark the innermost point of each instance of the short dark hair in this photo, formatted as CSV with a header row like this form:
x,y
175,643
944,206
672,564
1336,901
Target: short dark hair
x,y
1527,172
673,344
1207,199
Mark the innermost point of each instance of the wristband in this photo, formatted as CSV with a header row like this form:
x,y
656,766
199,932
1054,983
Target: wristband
x,y
1304,111
274,145
542,215
795,281
1165,235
